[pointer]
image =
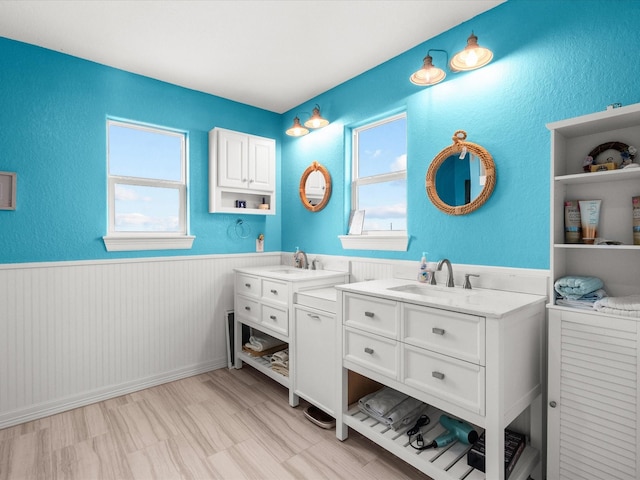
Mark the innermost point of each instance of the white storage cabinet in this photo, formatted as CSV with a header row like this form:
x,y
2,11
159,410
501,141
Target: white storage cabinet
x,y
593,364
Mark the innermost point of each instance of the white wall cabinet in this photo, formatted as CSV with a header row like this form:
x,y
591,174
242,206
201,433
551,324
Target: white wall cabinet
x,y
593,363
477,364
242,167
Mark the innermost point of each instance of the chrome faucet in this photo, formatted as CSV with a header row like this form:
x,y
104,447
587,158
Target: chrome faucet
x,y
301,259
445,261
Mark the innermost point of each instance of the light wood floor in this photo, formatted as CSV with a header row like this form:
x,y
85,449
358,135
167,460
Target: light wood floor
x,y
225,424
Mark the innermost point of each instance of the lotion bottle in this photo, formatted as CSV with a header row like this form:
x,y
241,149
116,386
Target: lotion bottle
x,y
423,275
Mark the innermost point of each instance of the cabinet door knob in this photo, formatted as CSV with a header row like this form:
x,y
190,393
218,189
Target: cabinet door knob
x,y
438,375
553,404
315,317
274,291
248,285
368,350
368,314
272,317
247,308
437,331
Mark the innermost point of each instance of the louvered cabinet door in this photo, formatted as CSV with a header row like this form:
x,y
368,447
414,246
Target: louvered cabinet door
x,y
593,406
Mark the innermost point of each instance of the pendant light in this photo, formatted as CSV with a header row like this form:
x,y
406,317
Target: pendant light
x,y
429,74
316,121
473,56
297,130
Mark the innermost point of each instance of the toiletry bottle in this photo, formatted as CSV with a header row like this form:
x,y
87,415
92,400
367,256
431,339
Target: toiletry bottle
x,y
296,257
423,275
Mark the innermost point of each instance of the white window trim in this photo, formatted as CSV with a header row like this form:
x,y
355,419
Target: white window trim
x,y
140,241
391,240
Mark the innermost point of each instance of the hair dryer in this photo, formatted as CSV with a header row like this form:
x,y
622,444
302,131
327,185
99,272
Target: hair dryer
x,y
456,430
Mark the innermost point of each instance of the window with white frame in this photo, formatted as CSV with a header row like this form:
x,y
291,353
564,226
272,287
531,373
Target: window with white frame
x,y
379,185
147,187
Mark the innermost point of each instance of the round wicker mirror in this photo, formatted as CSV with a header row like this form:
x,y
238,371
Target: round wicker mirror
x,y
315,187
461,177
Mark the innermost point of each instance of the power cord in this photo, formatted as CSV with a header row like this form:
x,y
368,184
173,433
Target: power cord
x,y
415,431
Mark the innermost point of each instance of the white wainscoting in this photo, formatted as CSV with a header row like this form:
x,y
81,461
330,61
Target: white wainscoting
x,y
72,333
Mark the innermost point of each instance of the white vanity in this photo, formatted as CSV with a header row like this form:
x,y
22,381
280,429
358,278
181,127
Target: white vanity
x,y
264,300
474,354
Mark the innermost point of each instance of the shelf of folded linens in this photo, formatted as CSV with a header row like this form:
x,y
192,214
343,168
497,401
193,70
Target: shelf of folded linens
x,y
263,365
585,311
448,462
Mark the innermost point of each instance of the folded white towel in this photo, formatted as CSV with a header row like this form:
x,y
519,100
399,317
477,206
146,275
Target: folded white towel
x,y
628,306
262,342
281,357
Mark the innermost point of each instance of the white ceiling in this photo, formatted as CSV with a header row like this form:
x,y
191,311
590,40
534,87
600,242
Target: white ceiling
x,y
272,54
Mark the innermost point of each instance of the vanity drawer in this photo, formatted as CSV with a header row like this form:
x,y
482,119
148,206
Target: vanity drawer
x,y
275,291
455,334
247,285
276,319
372,314
247,308
454,381
376,353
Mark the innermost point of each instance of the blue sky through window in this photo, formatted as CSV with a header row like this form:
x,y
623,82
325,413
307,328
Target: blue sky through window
x,y
382,149
144,159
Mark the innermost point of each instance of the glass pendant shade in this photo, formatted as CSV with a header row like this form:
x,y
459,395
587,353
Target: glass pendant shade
x,y
316,121
297,130
428,74
473,56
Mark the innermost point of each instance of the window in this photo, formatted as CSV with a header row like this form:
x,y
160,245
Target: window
x,y
380,174
147,191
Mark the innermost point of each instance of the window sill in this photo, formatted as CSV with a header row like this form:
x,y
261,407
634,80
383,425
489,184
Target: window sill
x,y
393,242
138,243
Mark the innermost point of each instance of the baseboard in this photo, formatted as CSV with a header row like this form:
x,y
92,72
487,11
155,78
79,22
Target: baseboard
x,y
34,412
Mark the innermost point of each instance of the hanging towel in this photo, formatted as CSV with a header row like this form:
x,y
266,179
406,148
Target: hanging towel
x,y
262,342
628,306
574,287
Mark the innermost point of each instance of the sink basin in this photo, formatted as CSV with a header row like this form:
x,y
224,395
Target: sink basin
x,y
433,291
287,270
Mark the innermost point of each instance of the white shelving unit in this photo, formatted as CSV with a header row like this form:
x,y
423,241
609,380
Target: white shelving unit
x,y
594,359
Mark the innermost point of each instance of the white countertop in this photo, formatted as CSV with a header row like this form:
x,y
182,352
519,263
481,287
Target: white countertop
x,y
289,273
478,301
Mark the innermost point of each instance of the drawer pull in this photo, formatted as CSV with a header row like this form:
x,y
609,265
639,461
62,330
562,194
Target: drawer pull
x,y
248,285
368,314
368,350
437,331
438,375
274,291
247,308
272,317
314,316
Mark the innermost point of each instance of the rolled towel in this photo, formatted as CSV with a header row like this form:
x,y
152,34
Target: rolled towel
x,y
574,287
628,306
281,357
262,342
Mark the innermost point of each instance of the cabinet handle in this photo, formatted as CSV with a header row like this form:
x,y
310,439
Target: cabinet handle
x,y
274,291
438,375
247,308
315,317
553,404
368,350
272,317
248,285
437,331
368,314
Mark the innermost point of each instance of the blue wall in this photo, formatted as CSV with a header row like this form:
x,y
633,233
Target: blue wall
x,y
553,59
53,110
